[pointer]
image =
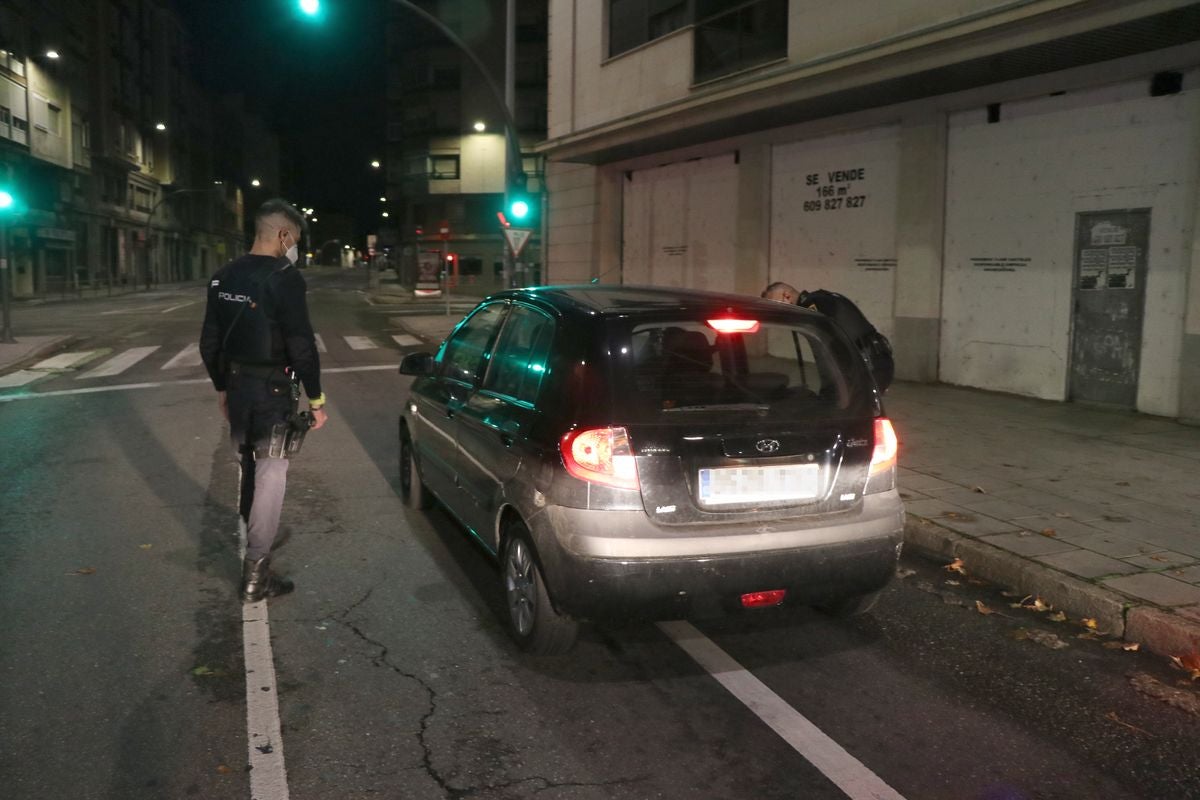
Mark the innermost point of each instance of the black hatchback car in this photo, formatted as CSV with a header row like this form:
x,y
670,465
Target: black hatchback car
x,y
658,453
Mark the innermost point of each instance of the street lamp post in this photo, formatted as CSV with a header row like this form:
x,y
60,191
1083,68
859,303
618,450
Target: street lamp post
x,y
6,335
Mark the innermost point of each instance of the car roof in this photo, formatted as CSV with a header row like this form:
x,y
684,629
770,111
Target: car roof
x,y
620,300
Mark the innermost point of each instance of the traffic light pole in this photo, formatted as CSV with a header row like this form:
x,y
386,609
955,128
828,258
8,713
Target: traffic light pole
x,y
6,336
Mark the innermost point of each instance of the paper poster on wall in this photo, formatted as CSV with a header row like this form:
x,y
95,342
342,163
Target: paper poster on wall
x,y
1122,267
1093,268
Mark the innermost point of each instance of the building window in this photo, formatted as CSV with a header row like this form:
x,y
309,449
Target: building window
x,y
730,41
634,22
443,168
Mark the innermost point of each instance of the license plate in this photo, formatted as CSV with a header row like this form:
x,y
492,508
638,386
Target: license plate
x,y
736,485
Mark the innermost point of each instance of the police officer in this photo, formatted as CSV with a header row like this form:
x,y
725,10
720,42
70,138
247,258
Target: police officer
x,y
874,346
255,342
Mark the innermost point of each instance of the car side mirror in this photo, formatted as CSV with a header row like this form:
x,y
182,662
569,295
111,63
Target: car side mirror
x,y
417,364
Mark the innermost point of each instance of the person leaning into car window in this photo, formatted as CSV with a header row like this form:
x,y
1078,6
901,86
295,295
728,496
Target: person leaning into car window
x,y
256,337
874,346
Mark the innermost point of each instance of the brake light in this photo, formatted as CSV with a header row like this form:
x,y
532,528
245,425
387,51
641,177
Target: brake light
x,y
887,446
762,599
727,325
600,455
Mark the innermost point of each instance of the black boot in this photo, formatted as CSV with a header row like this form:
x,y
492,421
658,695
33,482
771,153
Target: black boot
x,y
259,582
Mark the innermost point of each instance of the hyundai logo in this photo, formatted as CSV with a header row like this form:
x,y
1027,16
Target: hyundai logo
x,y
766,446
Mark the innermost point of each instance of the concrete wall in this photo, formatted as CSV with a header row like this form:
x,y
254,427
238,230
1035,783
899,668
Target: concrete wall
x,y
572,220
1013,191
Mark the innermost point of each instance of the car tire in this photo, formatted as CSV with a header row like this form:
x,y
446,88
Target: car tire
x,y
412,488
533,622
851,606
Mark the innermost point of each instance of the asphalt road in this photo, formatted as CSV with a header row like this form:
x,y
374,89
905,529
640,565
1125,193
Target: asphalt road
x,y
122,671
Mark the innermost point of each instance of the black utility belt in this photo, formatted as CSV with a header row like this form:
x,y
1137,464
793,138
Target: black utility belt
x,y
257,370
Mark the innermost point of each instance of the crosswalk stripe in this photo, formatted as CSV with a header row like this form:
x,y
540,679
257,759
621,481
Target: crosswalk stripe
x,y
119,363
187,357
64,360
320,344
19,378
404,340
360,342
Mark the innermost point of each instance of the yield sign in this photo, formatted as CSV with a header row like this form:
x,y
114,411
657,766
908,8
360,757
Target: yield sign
x,y
517,239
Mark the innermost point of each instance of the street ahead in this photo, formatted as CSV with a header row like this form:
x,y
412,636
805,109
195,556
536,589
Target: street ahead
x,y
122,668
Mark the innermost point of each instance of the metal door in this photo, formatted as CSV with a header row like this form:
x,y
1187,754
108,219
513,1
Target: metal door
x,y
1110,292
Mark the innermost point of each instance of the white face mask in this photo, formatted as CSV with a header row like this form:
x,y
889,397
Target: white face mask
x,y
293,253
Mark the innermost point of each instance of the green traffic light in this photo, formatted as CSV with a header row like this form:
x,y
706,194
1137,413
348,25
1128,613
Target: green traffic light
x,y
519,209
6,200
310,7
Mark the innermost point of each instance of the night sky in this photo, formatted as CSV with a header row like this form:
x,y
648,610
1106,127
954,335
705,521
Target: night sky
x,y
321,86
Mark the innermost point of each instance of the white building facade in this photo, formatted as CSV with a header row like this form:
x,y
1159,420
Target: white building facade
x,y
1007,189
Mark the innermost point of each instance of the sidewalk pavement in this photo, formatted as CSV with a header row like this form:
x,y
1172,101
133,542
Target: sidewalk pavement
x,y
1094,512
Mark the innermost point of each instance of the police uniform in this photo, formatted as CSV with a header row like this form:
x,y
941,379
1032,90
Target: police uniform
x,y
871,343
256,335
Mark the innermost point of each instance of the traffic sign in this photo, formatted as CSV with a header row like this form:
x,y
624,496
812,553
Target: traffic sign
x,y
517,239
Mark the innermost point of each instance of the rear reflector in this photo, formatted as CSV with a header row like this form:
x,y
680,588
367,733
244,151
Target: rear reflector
x,y
887,446
761,599
733,325
600,455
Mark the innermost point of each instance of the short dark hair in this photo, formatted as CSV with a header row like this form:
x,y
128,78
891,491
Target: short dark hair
x,y
278,207
777,285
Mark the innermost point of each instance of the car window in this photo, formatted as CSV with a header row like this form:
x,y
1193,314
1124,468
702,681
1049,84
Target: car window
x,y
463,355
675,368
520,357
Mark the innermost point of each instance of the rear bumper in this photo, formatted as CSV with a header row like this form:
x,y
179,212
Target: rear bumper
x,y
620,564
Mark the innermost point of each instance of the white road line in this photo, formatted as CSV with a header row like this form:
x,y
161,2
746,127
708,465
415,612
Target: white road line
x,y
360,342
118,364
175,308
125,387
65,360
404,340
19,378
264,738
187,357
320,344
850,775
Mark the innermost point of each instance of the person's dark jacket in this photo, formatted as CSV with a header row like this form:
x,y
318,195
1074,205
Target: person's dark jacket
x,y
873,344
257,315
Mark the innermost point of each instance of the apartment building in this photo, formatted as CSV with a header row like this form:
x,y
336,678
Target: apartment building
x,y
115,149
1007,189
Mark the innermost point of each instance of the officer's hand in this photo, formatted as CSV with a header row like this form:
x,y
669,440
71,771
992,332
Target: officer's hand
x,y
223,404
319,416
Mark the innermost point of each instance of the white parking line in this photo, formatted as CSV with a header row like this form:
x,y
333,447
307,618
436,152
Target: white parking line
x,y
850,775
360,342
119,363
187,357
174,308
404,340
320,343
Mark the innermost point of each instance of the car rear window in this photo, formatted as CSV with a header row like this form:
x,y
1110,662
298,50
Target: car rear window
x,y
678,367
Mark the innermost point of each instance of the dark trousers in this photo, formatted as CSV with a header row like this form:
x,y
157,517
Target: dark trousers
x,y
257,400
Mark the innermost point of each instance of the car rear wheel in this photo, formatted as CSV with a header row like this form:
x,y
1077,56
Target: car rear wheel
x,y
849,606
533,622
411,487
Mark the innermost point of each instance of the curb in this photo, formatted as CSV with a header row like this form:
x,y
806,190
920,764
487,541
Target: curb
x,y
48,349
1157,629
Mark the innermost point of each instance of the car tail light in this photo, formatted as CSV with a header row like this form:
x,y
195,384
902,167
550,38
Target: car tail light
x,y
762,599
728,325
882,475
600,455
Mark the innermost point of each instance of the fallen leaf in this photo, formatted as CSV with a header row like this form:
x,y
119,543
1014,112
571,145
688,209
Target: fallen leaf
x,y
1044,638
1112,715
1057,616
1158,558
977,582
1048,532
1189,663
1132,647
983,609
1088,622
223,770
1184,699
950,582
145,546
83,571
1087,635
956,566
902,572
979,490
